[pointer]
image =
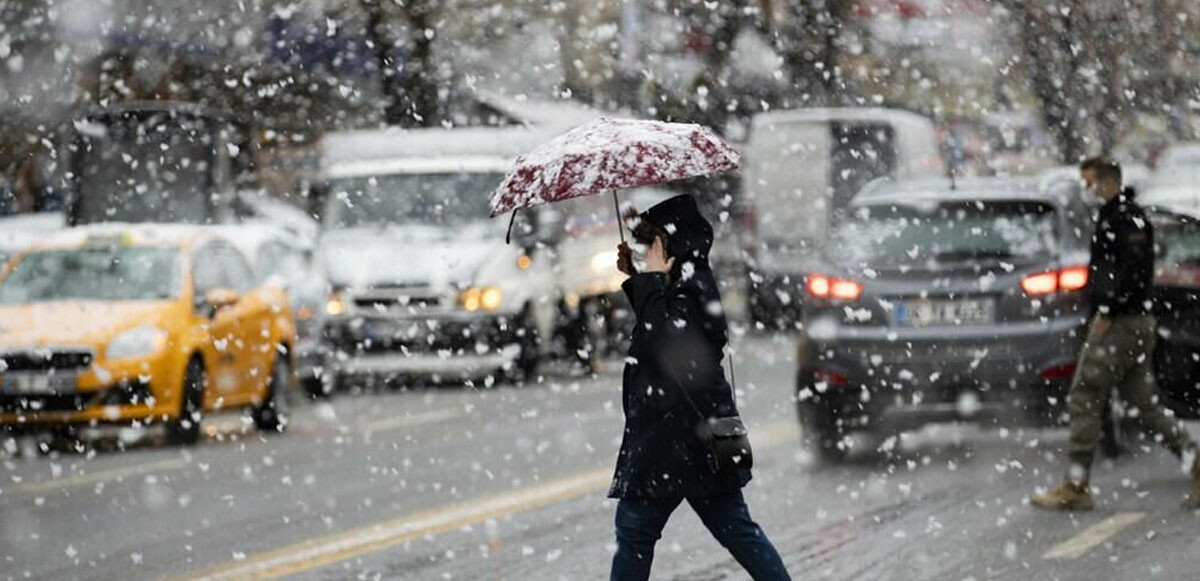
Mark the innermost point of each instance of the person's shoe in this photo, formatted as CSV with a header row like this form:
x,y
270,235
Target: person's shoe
x,y
1067,496
1192,500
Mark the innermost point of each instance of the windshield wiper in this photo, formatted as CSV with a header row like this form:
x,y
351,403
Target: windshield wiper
x,y
969,254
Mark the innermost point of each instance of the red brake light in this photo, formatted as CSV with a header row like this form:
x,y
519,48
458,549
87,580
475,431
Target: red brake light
x,y
1059,372
824,287
818,286
1073,278
846,290
829,377
1040,284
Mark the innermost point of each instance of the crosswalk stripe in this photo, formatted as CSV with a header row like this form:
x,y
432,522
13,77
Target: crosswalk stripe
x,y
1076,546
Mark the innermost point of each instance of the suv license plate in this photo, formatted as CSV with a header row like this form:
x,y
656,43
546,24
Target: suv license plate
x,y
929,313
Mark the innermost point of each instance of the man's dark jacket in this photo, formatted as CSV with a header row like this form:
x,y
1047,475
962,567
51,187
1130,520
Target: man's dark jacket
x,y
677,343
1122,262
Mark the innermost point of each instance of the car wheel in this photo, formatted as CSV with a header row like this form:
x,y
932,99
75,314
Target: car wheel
x,y
271,415
184,429
821,434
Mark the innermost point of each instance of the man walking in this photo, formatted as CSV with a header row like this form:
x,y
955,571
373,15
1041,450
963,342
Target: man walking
x,y
1119,350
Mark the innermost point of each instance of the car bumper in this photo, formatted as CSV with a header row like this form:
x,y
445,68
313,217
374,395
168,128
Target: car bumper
x,y
106,392
458,346
1011,373
462,365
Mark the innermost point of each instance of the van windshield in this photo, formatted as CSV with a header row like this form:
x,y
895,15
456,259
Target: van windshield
x,y
944,233
429,199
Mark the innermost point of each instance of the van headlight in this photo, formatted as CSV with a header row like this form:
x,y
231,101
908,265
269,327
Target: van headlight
x,y
336,305
137,342
604,261
475,298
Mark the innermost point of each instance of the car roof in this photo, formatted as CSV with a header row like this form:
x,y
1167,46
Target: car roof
x,y
249,237
367,152
840,114
147,234
966,189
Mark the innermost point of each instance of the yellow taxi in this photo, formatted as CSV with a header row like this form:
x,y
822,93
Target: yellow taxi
x,y
140,325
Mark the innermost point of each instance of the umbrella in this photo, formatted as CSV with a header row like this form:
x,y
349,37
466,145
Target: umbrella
x,y
606,155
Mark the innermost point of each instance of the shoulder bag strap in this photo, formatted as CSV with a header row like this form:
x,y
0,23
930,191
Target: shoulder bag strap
x,y
688,397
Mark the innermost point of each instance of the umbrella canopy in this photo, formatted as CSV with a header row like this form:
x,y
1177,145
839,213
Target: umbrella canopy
x,y
610,154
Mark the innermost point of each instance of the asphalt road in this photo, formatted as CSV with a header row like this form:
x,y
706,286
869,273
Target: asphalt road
x,y
510,483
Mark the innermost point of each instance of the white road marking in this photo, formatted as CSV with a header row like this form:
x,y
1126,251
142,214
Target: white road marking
x,y
1076,546
430,417
321,551
99,476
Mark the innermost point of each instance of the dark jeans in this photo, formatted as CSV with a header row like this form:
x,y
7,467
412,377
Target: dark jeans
x,y
640,522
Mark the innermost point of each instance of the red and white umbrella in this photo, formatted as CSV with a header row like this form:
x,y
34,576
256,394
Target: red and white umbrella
x,y
606,155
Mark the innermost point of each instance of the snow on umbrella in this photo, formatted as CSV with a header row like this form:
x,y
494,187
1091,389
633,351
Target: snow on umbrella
x,y
606,155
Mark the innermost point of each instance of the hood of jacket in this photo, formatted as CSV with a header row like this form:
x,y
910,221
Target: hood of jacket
x,y
689,235
689,240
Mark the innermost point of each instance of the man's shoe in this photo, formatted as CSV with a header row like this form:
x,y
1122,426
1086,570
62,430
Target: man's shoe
x,y
1066,496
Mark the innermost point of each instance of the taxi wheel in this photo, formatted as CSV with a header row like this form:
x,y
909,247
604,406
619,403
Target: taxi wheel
x,y
272,414
184,430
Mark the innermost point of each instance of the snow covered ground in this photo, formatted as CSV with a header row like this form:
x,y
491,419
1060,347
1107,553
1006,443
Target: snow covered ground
x,y
509,483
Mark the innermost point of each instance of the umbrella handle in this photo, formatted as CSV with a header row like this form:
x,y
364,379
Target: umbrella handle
x,y
617,207
508,235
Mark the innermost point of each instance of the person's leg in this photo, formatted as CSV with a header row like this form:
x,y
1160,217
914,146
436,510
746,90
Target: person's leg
x,y
728,519
1100,367
1138,390
639,525
1086,400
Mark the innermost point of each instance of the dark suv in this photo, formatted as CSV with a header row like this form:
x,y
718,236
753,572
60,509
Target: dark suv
x,y
938,301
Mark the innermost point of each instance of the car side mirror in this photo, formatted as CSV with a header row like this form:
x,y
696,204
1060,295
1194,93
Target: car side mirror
x,y
220,298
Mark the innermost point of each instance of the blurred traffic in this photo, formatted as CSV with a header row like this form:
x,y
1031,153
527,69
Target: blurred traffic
x,y
391,273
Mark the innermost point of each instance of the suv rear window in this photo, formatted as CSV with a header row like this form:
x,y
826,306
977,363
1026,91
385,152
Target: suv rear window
x,y
943,233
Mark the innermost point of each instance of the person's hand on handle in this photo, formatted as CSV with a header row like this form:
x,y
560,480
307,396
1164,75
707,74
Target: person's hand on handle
x,y
625,259
656,260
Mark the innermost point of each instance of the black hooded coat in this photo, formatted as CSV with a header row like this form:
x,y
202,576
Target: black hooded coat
x,y
677,343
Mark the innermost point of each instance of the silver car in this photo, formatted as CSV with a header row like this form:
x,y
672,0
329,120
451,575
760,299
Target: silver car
x,y
938,301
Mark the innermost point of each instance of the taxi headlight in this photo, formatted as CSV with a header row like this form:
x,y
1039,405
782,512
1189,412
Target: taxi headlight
x,y
137,342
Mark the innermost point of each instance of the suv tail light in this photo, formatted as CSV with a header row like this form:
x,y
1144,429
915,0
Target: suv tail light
x,y
1072,278
826,287
1059,372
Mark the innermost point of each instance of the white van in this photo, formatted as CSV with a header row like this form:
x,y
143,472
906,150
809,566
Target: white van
x,y
801,167
422,282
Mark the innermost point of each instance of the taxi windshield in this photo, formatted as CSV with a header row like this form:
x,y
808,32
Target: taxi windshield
x,y
94,274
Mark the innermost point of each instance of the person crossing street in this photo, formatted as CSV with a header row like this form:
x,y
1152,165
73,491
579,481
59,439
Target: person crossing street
x,y
1119,350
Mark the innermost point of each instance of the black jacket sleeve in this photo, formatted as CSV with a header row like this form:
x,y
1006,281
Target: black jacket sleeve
x,y
681,356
